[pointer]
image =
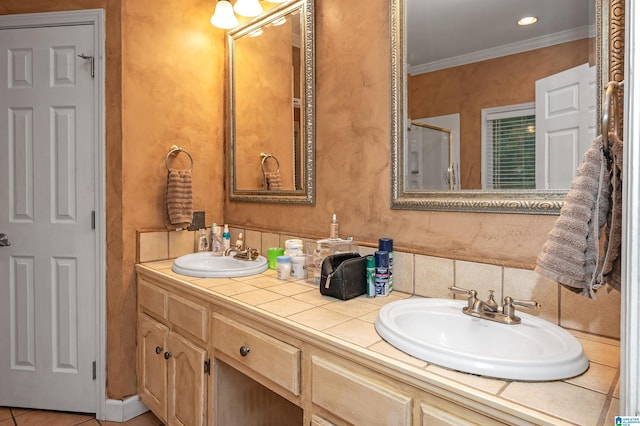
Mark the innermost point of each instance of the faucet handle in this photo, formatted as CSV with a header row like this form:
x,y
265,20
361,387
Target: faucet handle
x,y
531,304
509,310
460,290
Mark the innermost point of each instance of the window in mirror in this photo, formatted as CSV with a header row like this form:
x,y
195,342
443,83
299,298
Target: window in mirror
x,y
509,147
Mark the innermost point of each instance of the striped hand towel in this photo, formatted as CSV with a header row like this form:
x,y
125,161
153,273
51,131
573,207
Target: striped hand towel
x,y
179,199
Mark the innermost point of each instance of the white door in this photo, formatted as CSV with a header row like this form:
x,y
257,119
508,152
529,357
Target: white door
x,y
47,173
565,124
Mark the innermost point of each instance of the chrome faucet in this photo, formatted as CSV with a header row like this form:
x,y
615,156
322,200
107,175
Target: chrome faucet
x,y
505,314
247,253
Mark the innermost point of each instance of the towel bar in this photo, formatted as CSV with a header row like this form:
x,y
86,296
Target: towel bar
x,y
175,150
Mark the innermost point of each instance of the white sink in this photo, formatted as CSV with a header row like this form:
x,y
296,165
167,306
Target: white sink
x,y
436,331
206,265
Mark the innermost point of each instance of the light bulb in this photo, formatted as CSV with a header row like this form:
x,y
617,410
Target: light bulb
x,y
248,8
223,17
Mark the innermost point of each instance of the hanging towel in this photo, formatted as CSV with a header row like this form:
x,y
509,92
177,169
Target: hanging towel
x,y
179,200
571,254
274,181
610,271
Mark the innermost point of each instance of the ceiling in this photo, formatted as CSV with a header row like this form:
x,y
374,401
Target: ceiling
x,y
443,33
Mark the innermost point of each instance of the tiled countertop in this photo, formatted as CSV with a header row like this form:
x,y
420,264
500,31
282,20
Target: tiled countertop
x,y
589,399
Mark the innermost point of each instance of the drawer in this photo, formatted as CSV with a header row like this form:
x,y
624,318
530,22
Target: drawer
x,y
267,356
189,316
152,299
355,398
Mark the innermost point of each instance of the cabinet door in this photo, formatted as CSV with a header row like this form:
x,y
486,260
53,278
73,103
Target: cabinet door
x,y
187,382
152,344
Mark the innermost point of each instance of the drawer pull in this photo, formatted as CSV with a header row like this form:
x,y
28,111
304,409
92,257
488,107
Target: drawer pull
x,y
244,350
158,350
167,355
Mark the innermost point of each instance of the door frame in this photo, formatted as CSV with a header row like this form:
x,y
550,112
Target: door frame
x,y
630,313
93,17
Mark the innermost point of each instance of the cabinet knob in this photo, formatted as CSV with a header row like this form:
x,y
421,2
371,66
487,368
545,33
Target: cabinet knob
x,y
244,350
167,355
158,350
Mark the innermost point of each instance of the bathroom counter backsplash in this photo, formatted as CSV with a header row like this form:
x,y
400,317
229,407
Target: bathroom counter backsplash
x,y
430,276
583,400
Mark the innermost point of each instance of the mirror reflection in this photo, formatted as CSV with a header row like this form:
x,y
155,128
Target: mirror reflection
x,y
271,101
518,100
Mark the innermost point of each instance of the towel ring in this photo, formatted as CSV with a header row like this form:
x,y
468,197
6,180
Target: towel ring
x,y
609,111
264,159
175,150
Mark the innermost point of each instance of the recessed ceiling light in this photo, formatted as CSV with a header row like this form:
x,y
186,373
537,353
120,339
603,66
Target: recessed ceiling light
x,y
527,20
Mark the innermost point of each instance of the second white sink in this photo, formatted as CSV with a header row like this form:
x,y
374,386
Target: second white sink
x,y
206,265
436,331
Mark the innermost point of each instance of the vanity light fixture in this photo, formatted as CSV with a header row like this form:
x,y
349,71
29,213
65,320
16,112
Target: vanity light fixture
x,y
527,20
248,8
223,17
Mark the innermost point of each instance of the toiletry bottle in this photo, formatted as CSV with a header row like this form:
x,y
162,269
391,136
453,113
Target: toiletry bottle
x,y
240,242
382,273
212,233
333,232
371,276
283,267
386,244
203,243
216,242
226,237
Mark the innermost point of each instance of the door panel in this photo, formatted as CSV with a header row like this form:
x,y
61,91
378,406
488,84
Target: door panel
x,y
565,125
47,184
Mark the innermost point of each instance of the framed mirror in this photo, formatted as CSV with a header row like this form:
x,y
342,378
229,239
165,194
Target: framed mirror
x,y
522,103
271,106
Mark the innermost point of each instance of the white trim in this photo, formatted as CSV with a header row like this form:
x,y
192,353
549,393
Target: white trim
x,y
94,17
123,410
630,310
505,50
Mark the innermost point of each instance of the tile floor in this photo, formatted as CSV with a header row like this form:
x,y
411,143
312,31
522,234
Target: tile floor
x,y
27,417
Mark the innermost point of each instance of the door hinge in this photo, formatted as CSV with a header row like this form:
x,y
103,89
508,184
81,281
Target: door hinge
x,y
93,219
94,370
207,366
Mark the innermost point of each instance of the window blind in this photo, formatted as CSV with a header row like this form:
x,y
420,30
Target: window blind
x,y
511,152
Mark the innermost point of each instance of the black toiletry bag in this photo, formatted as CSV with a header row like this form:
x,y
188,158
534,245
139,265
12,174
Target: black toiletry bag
x,y
344,276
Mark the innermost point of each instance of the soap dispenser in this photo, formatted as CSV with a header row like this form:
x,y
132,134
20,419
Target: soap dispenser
x,y
216,241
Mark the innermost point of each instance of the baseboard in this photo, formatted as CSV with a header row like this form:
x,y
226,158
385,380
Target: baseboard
x,y
121,410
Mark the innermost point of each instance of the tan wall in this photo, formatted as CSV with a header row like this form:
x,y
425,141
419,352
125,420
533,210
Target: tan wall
x,y
172,92
468,89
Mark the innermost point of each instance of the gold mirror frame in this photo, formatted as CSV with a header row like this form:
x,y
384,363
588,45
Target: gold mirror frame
x,y
610,63
307,194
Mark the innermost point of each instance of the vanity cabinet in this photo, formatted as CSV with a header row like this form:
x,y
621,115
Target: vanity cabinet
x,y
266,370
172,362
